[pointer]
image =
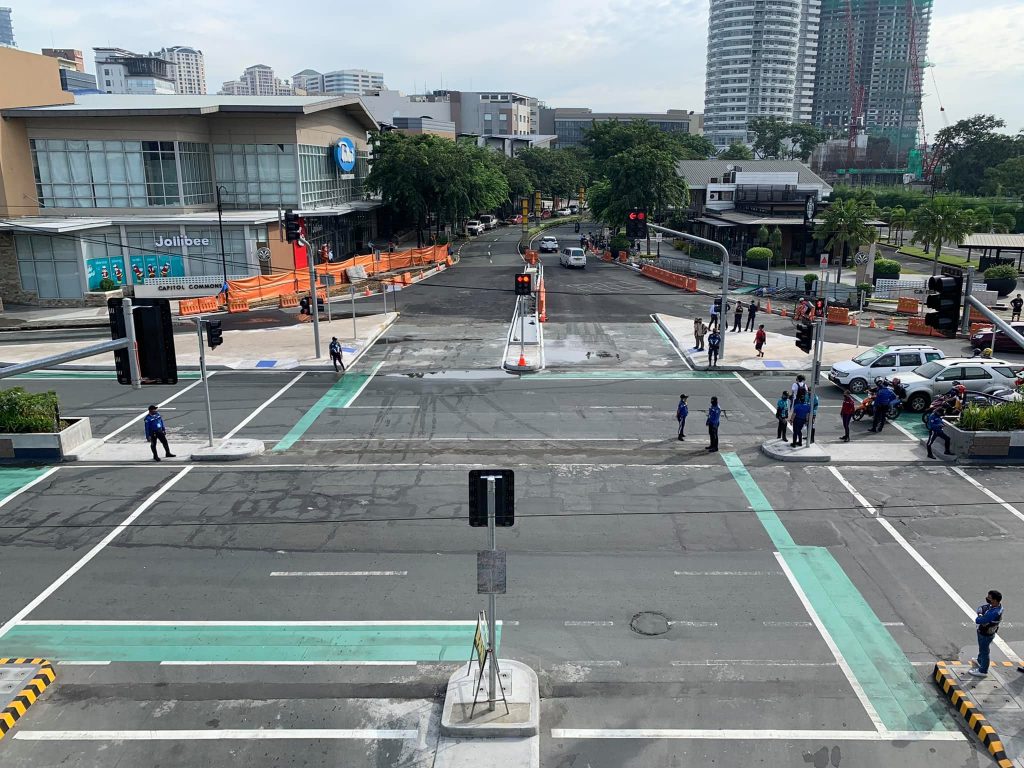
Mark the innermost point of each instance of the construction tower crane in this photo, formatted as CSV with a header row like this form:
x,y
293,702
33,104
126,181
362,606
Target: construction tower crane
x,y
929,158
856,89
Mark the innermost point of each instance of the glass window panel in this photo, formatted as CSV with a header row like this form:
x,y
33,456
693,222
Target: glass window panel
x,y
69,284
136,168
76,145
97,166
95,146
43,164
46,280
59,167
28,275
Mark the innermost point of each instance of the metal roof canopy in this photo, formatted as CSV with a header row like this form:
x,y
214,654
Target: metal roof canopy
x,y
1004,242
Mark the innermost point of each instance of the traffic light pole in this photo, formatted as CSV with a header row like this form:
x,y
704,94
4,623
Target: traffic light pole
x,y
965,322
133,346
314,307
202,375
492,633
819,345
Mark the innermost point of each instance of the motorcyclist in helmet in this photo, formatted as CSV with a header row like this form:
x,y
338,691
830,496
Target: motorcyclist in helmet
x,y
899,389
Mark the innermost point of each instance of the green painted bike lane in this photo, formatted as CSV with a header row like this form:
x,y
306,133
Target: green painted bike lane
x,y
15,478
238,642
878,663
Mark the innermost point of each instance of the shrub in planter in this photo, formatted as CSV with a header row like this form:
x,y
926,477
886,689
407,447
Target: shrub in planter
x,y
706,253
619,243
22,411
809,280
887,269
866,289
106,284
1001,278
759,258
1003,417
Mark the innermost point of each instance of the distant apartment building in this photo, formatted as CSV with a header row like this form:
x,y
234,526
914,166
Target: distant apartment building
x,y
6,27
189,69
571,123
309,80
121,71
67,58
352,81
257,80
388,107
488,113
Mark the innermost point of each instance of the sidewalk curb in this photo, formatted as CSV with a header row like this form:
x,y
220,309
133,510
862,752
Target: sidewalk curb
x,y
974,717
781,450
230,450
26,696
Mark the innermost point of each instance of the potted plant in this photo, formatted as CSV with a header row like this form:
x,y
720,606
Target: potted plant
x,y
759,258
1002,279
809,280
887,269
32,428
992,432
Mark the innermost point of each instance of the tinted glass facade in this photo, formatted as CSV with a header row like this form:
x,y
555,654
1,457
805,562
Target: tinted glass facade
x,y
257,175
323,182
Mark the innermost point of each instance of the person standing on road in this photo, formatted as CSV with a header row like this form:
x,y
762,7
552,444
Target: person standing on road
x,y
737,318
1016,305
759,339
846,413
782,415
713,324
883,399
156,430
990,613
681,413
801,412
813,423
714,339
335,350
713,420
752,310
699,329
798,389
935,431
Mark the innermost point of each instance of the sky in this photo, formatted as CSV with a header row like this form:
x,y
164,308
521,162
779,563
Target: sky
x,y
610,55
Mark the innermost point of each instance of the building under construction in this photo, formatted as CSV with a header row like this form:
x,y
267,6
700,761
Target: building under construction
x,y
871,56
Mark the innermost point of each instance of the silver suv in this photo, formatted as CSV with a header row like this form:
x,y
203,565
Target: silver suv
x,y
881,361
936,378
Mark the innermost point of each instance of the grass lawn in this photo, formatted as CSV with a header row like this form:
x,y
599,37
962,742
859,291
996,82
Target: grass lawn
x,y
918,253
554,222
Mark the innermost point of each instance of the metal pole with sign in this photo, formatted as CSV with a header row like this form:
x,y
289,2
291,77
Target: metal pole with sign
x,y
202,375
355,331
133,347
313,295
492,610
657,239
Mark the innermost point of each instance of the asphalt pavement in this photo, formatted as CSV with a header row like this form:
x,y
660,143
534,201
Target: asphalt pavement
x,y
681,607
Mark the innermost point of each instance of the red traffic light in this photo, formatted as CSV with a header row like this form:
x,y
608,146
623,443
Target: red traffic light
x,y
633,215
641,215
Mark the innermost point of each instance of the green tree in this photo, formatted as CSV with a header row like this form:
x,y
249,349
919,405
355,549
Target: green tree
x,y
1004,223
898,218
775,242
769,133
981,218
736,151
805,138
763,235
557,172
844,224
972,146
1006,178
942,220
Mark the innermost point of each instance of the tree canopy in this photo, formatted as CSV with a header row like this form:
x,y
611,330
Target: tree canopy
x,y
736,151
941,220
775,137
973,146
843,224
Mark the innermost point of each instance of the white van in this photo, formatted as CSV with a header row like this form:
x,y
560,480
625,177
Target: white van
x,y
489,222
573,257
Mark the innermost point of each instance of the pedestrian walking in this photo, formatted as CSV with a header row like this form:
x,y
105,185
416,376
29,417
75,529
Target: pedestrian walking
x,y
737,318
759,339
846,414
990,613
752,310
713,420
801,413
1016,306
935,431
699,329
335,350
714,339
883,399
782,415
156,430
681,413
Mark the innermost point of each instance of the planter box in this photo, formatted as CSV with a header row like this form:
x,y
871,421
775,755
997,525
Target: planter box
x,y
47,446
986,446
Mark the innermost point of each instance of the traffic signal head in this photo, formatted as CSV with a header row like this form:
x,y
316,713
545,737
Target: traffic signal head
x,y
636,224
820,307
945,300
214,334
524,284
292,227
805,335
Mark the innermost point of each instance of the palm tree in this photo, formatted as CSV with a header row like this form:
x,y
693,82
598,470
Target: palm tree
x,y
941,220
898,220
844,223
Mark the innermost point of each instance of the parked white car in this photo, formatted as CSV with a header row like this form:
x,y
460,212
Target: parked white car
x,y
563,212
548,244
573,257
489,222
474,227
937,377
881,361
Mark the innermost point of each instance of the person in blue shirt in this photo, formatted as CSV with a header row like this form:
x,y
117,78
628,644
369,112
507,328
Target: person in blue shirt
x,y
155,430
714,339
681,413
814,415
713,420
883,399
989,615
935,431
782,415
801,413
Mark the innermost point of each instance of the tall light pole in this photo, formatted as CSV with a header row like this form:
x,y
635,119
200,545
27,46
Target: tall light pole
x,y
220,227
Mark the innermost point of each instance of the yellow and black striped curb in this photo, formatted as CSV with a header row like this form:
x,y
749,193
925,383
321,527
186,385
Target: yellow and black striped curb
x,y
975,719
27,696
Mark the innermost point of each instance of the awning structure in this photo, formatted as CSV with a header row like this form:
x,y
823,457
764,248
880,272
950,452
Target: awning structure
x,y
716,222
55,226
998,243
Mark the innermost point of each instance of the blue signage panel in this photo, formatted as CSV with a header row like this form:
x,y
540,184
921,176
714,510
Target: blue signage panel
x,y
345,154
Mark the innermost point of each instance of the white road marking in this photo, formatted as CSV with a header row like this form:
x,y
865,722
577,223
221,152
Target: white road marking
x,y
365,384
496,439
622,407
831,643
19,491
1005,505
757,394
123,408
944,585
727,573
339,573
287,663
145,623
787,623
161,404
62,663
893,624
595,663
215,467
753,663
752,735
225,734
693,623
382,407
14,620
590,623
258,411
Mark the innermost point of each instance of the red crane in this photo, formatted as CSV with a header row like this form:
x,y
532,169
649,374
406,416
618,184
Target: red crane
x,y
856,89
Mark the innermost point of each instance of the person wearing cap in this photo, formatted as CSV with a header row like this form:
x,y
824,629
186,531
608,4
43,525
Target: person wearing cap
x,y
335,350
681,412
713,420
155,430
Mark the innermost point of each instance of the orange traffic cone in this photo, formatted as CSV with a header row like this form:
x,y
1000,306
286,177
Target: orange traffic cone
x,y
873,324
768,309
783,313
522,360
892,325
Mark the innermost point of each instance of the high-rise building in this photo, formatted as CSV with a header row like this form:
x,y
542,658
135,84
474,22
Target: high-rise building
x,y
357,81
189,69
121,71
257,80
309,80
6,27
884,64
67,58
570,124
760,62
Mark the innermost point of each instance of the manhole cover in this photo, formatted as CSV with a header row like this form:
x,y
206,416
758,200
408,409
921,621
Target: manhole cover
x,y
649,623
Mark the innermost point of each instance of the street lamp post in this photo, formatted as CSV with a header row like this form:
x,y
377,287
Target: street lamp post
x,y
220,227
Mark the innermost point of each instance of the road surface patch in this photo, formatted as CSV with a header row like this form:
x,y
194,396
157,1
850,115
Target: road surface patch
x,y
974,717
31,690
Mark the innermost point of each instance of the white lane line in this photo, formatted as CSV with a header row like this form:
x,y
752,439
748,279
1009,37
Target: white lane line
x,y
727,573
496,439
693,623
755,663
161,404
383,407
944,585
622,407
595,662
215,467
19,491
1004,504
145,623
287,663
225,734
751,735
123,408
590,623
831,643
258,411
787,623
14,620
63,663
339,573
895,624
365,384
757,394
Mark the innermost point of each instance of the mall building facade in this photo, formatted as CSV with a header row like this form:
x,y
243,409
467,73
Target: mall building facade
x,y
114,190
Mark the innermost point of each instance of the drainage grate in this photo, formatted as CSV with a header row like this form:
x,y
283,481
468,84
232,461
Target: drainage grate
x,y
649,623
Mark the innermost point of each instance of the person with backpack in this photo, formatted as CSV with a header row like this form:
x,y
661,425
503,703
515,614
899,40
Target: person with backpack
x,y
682,411
335,349
883,399
782,415
990,613
713,421
846,412
714,340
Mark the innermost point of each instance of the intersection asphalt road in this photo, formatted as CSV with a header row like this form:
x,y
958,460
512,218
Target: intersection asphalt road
x,y
681,608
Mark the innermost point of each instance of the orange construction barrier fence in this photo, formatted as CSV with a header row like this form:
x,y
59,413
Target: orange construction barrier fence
x,y
208,304
188,307
288,301
840,315
238,305
907,305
